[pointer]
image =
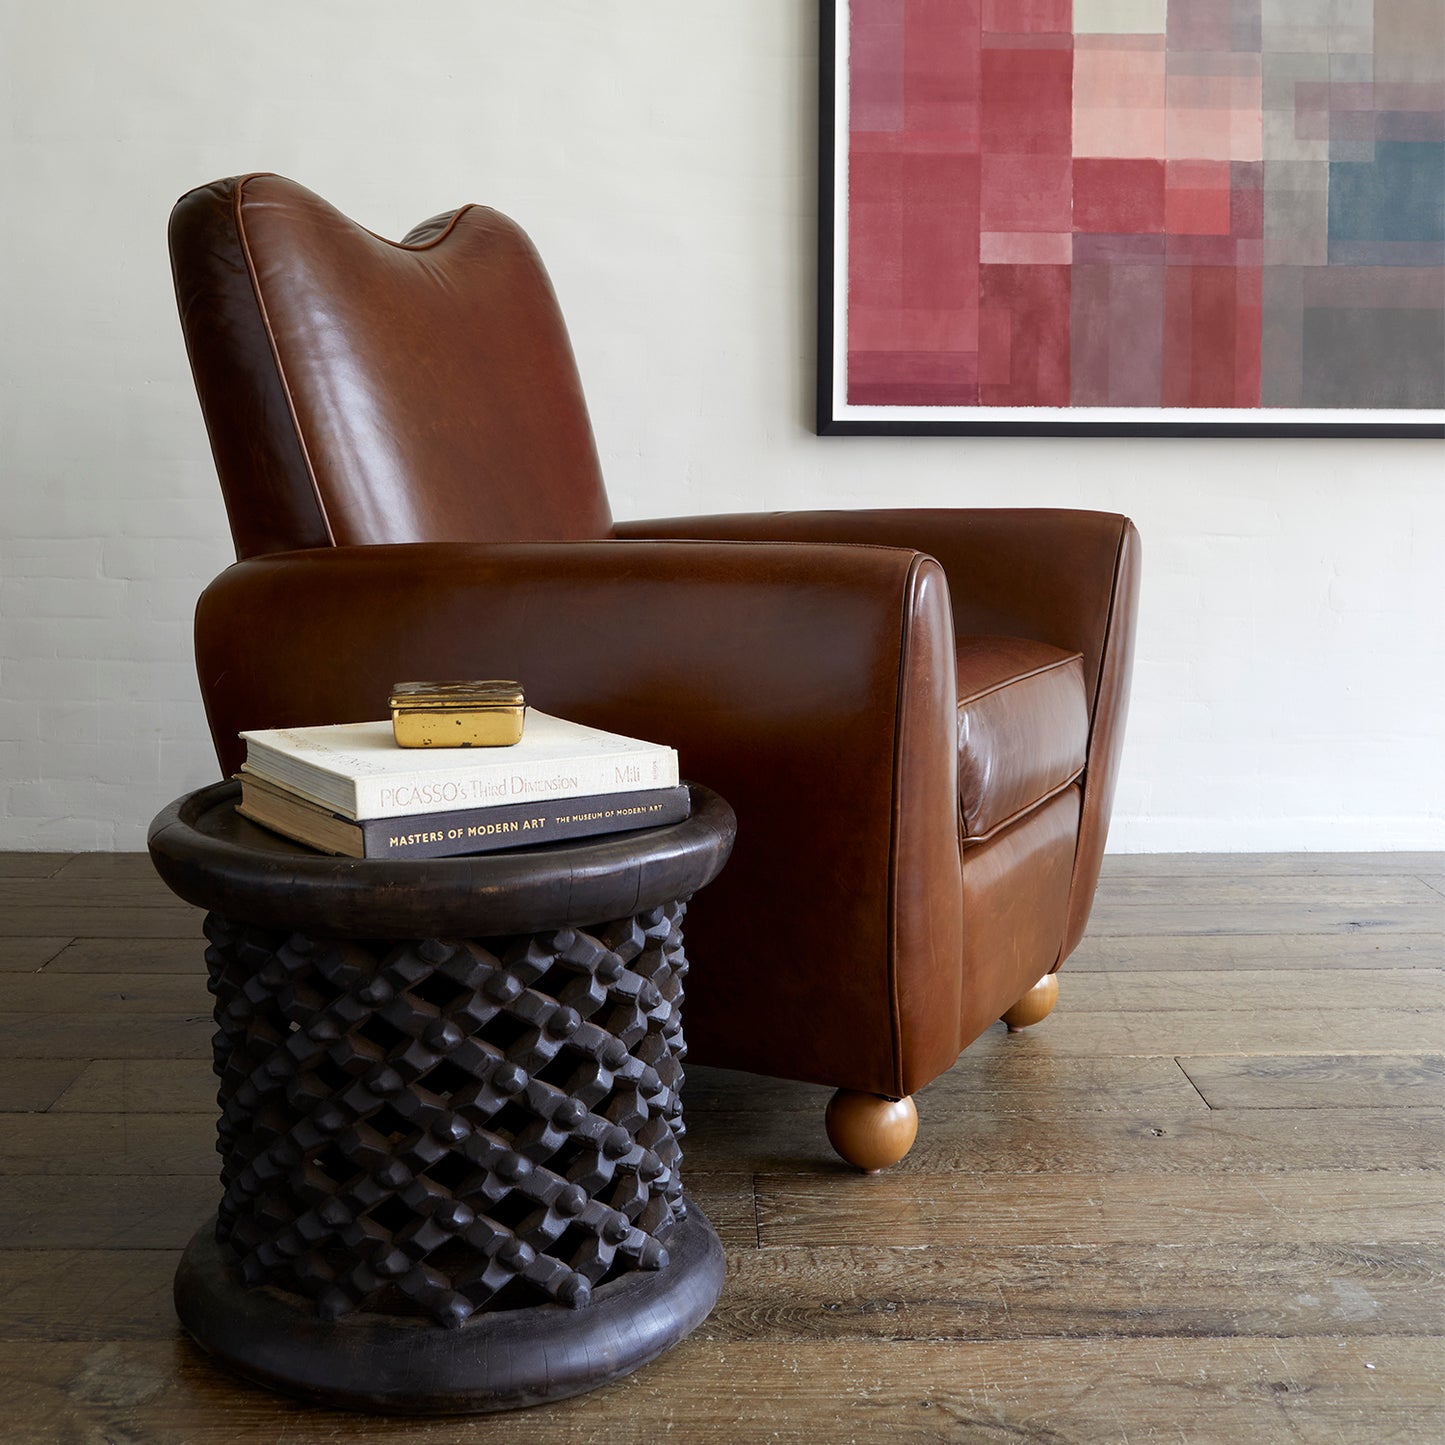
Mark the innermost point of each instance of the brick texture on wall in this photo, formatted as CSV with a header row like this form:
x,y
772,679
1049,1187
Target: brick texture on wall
x,y
1288,691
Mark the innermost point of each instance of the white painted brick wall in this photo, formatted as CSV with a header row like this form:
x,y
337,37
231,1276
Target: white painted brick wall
x,y
1289,690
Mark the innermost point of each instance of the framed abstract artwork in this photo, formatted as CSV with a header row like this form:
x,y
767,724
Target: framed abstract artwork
x,y
1169,217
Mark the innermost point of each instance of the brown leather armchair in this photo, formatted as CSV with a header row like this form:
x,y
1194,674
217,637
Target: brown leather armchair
x,y
916,715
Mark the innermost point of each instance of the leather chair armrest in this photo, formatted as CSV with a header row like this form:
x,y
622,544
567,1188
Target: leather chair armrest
x,y
1048,574
1070,578
788,639
813,687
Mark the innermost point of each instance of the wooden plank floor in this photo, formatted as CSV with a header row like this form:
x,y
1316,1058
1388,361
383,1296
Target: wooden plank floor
x,y
1202,1202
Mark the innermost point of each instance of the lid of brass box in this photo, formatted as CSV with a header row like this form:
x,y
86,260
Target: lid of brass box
x,y
456,696
457,714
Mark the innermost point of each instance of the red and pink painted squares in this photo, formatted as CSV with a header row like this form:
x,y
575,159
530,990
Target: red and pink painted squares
x,y
1139,204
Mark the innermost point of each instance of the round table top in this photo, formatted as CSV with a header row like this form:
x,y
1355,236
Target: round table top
x,y
212,857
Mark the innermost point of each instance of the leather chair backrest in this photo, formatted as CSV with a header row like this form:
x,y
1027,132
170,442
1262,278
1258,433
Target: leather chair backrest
x,y
357,390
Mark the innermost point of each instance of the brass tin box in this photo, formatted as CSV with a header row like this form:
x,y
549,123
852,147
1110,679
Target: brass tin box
x,y
457,714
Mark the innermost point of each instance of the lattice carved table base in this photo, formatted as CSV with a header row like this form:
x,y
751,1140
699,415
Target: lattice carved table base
x,y
449,1163
446,1126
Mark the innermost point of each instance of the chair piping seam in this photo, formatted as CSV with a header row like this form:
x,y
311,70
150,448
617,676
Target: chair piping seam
x,y
1084,776
276,358
1022,677
970,840
894,1007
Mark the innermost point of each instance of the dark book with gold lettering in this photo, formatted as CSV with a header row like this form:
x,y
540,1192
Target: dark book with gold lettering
x,y
458,830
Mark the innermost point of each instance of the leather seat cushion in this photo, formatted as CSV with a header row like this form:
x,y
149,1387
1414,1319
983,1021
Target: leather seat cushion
x,y
1023,728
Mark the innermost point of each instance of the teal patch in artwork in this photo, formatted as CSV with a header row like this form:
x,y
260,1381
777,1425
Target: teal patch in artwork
x,y
1399,196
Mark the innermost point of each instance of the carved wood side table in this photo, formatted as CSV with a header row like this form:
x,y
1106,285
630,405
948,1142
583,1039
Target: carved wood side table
x,y
450,1112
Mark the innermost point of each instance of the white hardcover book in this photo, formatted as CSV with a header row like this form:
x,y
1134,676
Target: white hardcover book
x,y
357,769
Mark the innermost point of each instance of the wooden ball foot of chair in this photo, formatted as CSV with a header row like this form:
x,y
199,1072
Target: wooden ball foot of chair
x,y
869,1131
1035,1006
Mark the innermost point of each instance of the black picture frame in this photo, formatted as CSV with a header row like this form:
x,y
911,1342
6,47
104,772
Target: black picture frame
x,y
829,421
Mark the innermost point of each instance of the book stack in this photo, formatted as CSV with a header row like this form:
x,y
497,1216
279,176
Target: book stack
x,y
349,789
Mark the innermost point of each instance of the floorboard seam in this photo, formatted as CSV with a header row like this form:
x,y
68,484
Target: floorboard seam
x,y
1179,1063
55,955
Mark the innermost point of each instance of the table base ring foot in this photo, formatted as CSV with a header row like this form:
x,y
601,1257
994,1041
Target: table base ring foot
x,y
498,1360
